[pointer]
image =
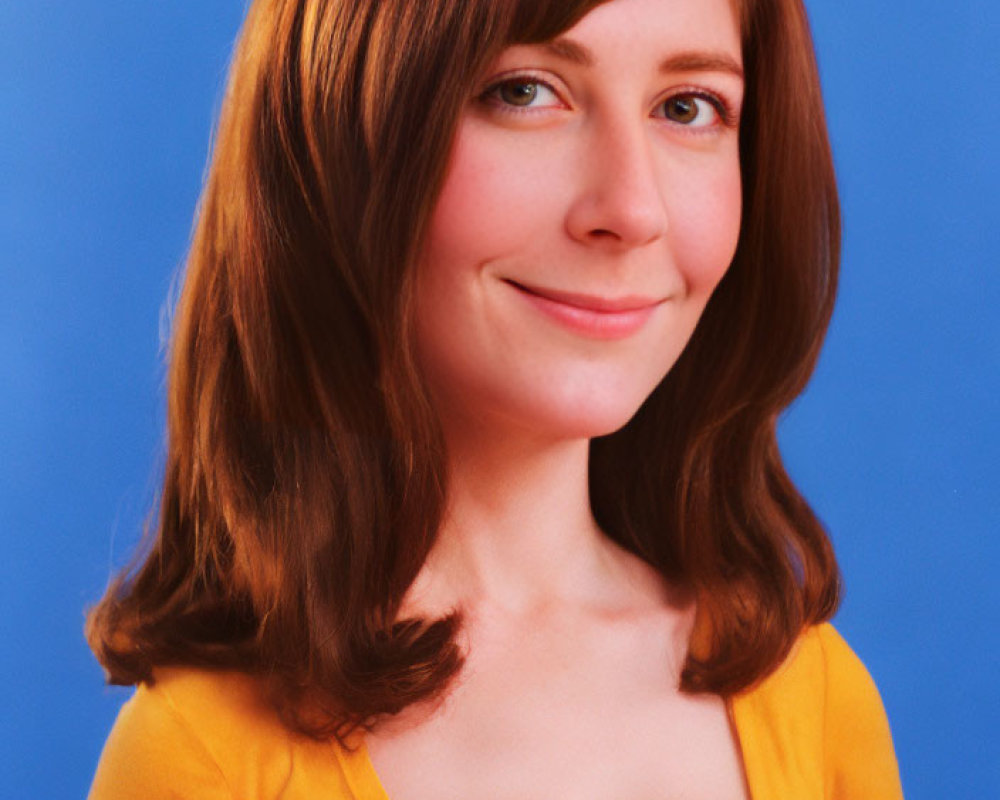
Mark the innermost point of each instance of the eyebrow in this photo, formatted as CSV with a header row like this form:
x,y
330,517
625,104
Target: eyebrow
x,y
686,61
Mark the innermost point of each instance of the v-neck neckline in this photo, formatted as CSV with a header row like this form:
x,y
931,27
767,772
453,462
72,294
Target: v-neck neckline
x,y
366,784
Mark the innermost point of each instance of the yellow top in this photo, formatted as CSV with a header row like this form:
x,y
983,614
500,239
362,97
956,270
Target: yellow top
x,y
814,729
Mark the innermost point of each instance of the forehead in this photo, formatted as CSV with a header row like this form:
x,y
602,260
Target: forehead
x,y
538,20
666,24
613,33
667,36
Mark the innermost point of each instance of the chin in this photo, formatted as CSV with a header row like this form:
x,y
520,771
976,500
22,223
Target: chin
x,y
570,416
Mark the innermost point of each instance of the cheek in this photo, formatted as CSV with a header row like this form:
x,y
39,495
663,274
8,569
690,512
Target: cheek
x,y
705,224
488,207
487,215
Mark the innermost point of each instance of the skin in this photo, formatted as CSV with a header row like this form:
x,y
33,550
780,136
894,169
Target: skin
x,y
569,178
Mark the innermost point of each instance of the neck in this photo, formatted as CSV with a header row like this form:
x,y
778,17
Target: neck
x,y
518,534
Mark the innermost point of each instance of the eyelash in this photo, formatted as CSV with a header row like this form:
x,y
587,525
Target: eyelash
x,y
719,104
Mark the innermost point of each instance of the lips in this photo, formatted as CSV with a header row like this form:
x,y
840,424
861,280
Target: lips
x,y
588,315
587,302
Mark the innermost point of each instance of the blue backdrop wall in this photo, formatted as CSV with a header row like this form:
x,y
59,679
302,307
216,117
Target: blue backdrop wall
x,y
104,132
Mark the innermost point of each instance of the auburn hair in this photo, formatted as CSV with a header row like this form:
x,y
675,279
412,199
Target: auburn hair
x,y
305,470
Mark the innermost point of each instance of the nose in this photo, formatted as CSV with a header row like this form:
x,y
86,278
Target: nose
x,y
620,202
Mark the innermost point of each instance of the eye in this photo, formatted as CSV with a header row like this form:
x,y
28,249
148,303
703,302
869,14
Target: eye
x,y
521,92
694,110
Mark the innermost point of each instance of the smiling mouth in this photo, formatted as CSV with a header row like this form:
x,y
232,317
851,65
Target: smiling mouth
x,y
588,302
591,316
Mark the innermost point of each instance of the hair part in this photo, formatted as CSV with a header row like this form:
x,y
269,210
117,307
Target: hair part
x,y
305,472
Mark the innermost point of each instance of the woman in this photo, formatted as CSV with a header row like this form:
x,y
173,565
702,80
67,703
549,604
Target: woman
x,y
447,511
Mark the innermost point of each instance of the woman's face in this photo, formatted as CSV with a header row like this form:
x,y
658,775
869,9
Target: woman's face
x,y
590,208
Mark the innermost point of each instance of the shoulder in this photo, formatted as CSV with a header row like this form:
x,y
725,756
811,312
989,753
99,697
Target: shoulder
x,y
821,712
821,667
861,760
821,673
209,734
155,750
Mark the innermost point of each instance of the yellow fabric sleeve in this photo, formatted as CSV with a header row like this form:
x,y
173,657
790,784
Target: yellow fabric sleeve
x,y
212,735
815,729
152,754
860,759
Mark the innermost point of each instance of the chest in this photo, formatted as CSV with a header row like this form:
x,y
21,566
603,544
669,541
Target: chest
x,y
531,722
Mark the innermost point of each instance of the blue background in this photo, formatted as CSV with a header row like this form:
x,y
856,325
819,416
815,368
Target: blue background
x,y
105,114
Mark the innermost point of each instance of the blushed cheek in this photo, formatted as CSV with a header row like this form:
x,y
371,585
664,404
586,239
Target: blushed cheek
x,y
457,219
485,207
706,230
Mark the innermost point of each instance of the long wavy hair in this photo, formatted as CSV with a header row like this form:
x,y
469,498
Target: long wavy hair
x,y
305,470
